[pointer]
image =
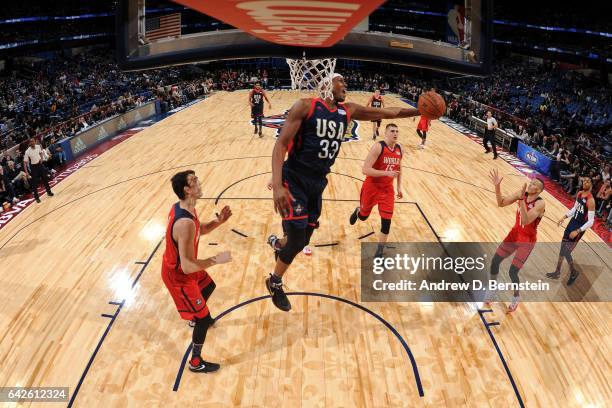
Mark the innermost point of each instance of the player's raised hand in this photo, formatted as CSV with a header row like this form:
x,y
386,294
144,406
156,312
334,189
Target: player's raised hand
x,y
495,178
223,257
225,213
282,200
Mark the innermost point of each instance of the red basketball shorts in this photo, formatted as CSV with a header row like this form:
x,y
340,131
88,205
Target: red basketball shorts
x,y
380,194
187,293
517,242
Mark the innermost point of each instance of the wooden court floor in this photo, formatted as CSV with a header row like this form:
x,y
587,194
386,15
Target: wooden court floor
x,y
83,304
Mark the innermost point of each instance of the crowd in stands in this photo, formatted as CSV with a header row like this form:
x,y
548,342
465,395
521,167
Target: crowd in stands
x,y
560,112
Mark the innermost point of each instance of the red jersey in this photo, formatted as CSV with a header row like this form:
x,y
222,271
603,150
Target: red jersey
x,y
530,229
388,160
376,102
423,124
171,263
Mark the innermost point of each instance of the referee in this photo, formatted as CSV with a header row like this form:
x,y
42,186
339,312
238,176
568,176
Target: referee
x,y
33,157
490,134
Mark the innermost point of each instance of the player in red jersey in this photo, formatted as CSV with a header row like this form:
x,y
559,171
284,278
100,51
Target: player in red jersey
x,y
382,165
422,129
183,273
376,101
256,97
523,235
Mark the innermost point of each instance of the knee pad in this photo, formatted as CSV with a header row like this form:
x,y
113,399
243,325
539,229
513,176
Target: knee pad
x,y
514,270
385,225
296,241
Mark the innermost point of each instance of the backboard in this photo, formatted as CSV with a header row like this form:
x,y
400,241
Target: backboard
x,y
452,36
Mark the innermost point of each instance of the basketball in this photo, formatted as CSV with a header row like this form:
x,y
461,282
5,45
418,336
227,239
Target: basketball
x,y
431,105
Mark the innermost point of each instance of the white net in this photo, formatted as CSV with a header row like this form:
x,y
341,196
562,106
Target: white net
x,y
312,74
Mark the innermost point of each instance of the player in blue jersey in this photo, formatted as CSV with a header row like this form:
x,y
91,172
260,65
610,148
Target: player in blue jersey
x,y
311,137
582,218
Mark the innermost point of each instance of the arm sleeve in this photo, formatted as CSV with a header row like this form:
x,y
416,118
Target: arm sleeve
x,y
571,212
590,221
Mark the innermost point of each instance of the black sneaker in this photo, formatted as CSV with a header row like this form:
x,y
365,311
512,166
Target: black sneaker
x,y
260,134
37,200
553,275
255,131
279,298
197,365
354,215
50,194
572,277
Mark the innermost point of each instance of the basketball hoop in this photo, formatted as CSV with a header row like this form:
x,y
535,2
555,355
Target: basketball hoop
x,y
315,74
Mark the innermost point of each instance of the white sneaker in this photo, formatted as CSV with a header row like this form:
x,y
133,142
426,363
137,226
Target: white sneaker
x,y
421,147
514,305
15,200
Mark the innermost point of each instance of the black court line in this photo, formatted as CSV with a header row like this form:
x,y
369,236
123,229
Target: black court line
x,y
107,315
388,325
326,245
240,233
93,356
261,174
439,239
110,325
503,360
212,243
366,235
481,313
140,263
122,182
433,173
196,164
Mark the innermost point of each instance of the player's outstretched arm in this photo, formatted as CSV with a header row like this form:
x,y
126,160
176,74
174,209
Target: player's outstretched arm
x,y
183,233
366,113
296,115
222,217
